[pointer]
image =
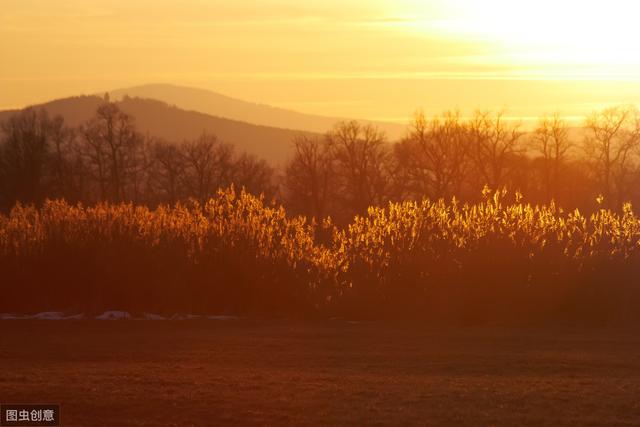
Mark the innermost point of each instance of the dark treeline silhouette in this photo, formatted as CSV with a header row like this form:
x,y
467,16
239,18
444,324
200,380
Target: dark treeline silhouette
x,y
352,167
108,159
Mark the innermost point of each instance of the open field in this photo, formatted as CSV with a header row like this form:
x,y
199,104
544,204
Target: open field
x,y
181,373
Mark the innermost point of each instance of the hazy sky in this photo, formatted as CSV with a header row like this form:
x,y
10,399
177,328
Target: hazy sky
x,y
354,58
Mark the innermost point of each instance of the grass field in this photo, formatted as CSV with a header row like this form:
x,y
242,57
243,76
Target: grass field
x,y
182,373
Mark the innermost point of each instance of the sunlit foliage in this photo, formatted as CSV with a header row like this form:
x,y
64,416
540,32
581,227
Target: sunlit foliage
x,y
498,259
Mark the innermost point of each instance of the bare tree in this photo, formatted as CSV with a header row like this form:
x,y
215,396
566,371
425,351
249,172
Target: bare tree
x,y
66,168
612,146
309,177
551,140
361,156
208,166
167,171
25,152
434,155
254,175
111,144
494,143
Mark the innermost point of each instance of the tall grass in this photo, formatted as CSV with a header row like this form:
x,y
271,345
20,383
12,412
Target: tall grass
x,y
491,261
496,260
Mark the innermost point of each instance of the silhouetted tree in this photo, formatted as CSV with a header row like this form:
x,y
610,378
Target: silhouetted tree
x,y
255,175
551,141
434,156
66,167
25,151
612,146
361,156
309,177
111,148
208,166
168,172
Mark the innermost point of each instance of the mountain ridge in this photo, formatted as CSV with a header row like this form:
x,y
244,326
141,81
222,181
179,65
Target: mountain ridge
x,y
217,104
161,120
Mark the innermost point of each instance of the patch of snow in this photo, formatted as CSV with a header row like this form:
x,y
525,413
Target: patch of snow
x,y
45,315
75,317
114,315
185,316
9,316
49,315
151,316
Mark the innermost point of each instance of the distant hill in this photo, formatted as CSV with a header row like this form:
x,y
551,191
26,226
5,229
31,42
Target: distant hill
x,y
75,110
160,120
215,104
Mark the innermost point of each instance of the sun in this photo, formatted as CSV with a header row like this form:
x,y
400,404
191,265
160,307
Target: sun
x,y
597,37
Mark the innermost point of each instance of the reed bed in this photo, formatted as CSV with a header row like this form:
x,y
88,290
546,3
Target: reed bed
x,y
498,260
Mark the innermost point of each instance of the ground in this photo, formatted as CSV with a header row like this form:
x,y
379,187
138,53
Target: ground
x,y
238,372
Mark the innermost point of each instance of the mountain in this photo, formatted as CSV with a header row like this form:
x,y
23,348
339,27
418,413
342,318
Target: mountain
x,y
160,120
215,104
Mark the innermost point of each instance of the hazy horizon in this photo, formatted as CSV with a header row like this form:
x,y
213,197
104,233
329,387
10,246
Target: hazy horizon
x,y
377,60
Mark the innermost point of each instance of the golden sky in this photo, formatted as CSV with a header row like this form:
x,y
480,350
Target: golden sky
x,y
377,59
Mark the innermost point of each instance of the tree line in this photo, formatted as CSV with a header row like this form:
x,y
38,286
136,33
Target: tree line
x,y
353,166
108,159
339,174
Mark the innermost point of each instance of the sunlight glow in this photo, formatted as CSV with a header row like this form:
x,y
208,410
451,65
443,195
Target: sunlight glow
x,y
368,59
597,39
